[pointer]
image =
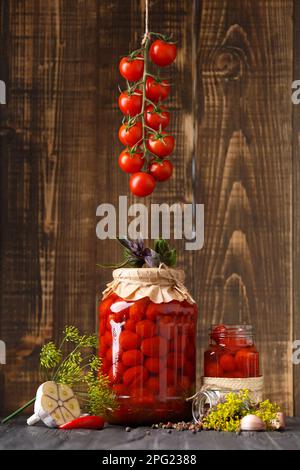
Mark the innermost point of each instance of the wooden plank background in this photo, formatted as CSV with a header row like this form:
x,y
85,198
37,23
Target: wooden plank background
x,y
234,121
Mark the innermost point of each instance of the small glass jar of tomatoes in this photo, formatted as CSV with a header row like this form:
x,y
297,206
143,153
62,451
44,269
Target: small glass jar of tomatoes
x,y
147,345
231,352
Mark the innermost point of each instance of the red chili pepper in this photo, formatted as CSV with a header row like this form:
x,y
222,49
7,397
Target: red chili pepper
x,y
84,422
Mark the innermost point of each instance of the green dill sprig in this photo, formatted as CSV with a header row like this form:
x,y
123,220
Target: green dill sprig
x,y
99,396
50,356
78,368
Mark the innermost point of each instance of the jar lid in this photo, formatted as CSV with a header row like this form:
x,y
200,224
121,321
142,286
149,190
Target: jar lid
x,y
161,284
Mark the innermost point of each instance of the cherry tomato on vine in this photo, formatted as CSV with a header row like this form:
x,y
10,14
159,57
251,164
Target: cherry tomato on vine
x,y
130,134
141,184
162,53
156,116
130,103
161,144
157,90
131,162
161,171
132,69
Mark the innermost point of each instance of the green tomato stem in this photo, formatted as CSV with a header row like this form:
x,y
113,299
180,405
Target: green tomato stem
x,y
145,55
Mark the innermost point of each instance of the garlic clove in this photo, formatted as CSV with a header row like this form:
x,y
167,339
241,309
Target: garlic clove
x,y
50,389
65,392
48,403
279,423
67,416
252,423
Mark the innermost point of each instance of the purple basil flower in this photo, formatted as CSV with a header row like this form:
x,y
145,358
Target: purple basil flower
x,y
138,250
151,258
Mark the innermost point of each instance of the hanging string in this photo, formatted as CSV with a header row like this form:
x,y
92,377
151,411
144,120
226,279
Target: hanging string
x,y
146,21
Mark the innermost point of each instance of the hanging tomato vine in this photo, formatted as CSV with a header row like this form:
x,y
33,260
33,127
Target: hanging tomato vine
x,y
147,144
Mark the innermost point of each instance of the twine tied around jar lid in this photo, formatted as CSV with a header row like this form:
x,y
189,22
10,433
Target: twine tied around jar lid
x,y
161,285
253,384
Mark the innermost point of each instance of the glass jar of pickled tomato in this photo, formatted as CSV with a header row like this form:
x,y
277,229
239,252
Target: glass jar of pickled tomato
x,y
231,353
147,334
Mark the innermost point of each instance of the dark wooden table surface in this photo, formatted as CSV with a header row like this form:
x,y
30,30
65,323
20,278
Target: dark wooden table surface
x,y
17,435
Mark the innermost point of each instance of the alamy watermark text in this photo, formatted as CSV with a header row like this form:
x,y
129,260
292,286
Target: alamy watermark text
x,y
188,222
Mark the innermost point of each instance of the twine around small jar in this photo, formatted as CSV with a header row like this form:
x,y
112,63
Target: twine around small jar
x,y
228,384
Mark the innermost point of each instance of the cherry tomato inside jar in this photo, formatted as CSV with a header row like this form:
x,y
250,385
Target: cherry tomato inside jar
x,y
149,352
231,352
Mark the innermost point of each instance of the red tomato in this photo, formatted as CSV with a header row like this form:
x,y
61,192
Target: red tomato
x,y
131,162
180,344
105,366
170,377
161,170
218,330
135,375
130,104
141,398
153,385
105,304
152,364
152,311
133,357
129,340
132,69
162,53
108,338
191,351
154,347
212,369
120,389
161,144
102,326
168,331
184,383
109,354
130,325
157,117
130,134
189,369
116,318
227,362
175,360
233,374
103,347
247,362
145,328
234,343
157,90
137,310
141,184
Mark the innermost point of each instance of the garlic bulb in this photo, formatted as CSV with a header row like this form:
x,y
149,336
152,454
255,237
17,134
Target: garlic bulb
x,y
55,404
252,423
